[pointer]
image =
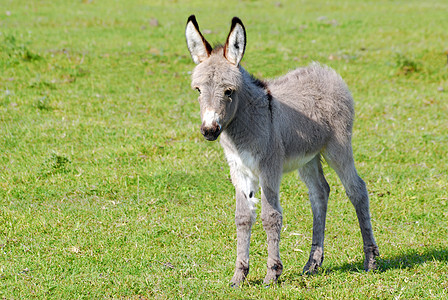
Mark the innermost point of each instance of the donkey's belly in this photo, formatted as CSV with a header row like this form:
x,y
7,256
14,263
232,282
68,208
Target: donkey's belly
x,y
294,163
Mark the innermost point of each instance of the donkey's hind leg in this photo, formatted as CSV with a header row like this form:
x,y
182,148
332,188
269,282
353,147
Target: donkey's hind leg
x,y
318,190
355,188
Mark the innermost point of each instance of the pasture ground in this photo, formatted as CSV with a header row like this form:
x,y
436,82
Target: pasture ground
x,y
108,190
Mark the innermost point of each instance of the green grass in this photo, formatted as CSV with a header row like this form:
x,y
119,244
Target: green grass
x,y
108,190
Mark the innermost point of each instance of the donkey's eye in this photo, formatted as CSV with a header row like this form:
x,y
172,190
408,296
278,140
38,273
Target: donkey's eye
x,y
228,92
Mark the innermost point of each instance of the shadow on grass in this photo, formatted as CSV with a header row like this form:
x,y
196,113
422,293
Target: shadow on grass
x,y
405,260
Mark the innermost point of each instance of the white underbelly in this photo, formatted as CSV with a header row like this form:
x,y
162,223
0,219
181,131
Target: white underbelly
x,y
297,162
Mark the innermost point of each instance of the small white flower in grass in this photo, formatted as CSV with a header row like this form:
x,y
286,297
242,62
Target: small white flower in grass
x,y
74,249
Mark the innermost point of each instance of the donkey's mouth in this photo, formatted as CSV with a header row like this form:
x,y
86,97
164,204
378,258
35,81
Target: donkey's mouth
x,y
211,136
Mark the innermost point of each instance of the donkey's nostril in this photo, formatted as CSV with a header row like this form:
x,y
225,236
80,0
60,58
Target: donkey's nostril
x,y
216,125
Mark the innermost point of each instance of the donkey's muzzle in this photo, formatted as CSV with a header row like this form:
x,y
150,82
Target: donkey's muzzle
x,y
211,132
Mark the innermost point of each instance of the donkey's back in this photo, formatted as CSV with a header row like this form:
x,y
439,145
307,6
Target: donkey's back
x,y
316,90
315,109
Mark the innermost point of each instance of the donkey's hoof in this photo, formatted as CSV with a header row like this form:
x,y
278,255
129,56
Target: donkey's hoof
x,y
234,285
273,274
239,277
315,261
270,280
371,253
311,267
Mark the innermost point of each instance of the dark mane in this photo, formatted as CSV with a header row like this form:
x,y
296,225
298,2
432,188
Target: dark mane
x,y
258,82
262,84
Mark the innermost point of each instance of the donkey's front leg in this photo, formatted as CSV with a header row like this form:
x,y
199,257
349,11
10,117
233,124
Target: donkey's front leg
x,y
244,218
271,216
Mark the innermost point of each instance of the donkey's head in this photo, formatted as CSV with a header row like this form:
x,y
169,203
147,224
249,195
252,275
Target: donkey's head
x,y
217,76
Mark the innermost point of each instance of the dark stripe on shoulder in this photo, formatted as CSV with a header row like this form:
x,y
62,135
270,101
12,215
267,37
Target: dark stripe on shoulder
x,y
269,95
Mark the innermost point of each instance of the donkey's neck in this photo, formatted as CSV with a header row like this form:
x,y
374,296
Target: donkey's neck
x,y
253,118
252,86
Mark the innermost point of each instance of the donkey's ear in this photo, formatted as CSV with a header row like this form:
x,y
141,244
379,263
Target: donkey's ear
x,y
199,48
236,42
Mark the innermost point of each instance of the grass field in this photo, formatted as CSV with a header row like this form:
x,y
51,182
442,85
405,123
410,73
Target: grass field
x,y
108,190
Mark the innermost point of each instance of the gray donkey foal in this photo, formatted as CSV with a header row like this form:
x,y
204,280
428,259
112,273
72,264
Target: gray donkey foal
x,y
271,127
